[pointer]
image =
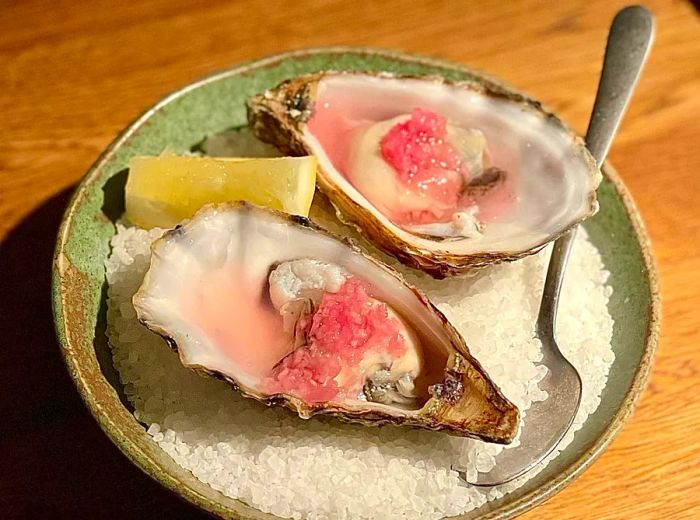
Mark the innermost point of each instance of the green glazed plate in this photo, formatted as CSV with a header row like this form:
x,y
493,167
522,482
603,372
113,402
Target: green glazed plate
x,y
216,103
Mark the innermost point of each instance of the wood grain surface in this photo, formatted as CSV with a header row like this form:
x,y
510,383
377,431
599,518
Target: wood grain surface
x,y
74,73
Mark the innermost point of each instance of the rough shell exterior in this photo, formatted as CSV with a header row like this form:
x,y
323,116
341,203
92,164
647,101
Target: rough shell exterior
x,y
278,116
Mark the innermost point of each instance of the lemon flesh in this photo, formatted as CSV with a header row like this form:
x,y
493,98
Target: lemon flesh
x,y
162,191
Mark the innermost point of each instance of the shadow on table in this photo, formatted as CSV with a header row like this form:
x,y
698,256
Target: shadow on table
x,y
56,462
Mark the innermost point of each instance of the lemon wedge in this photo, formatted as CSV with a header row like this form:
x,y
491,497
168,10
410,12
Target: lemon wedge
x,y
162,191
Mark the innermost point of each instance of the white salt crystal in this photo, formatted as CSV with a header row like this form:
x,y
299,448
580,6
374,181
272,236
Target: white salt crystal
x,y
323,469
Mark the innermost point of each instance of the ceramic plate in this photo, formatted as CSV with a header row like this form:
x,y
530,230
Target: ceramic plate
x,y
216,103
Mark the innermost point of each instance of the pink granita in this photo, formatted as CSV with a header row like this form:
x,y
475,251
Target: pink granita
x,y
346,325
423,158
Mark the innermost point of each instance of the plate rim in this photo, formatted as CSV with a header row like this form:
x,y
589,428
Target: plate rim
x,y
63,270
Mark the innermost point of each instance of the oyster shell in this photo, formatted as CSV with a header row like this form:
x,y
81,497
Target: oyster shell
x,y
234,289
520,177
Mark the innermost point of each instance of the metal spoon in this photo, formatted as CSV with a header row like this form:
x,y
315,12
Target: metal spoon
x,y
629,41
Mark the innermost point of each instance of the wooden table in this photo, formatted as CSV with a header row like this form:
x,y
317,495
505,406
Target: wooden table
x,y
75,73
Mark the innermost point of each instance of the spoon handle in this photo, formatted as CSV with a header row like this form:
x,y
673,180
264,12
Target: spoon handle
x,y
629,41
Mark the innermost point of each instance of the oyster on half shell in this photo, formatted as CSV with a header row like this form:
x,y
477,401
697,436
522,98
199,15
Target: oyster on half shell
x,y
292,316
445,176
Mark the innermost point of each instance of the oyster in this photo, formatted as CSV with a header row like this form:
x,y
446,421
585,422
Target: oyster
x,y
292,316
445,176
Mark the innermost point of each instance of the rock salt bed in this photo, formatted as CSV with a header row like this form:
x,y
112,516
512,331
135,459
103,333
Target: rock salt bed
x,y
321,468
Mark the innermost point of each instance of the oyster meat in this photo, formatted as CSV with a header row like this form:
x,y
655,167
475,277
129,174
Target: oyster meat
x,y
445,176
292,316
